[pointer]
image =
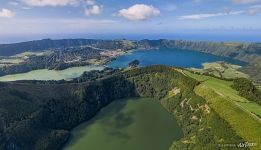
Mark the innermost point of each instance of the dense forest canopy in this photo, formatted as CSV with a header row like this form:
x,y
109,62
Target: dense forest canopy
x,y
34,120
246,89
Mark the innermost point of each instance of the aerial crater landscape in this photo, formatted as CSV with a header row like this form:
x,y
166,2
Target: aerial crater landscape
x,y
130,75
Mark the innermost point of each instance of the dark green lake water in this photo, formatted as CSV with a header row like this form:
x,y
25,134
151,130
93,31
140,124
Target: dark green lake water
x,y
138,124
133,124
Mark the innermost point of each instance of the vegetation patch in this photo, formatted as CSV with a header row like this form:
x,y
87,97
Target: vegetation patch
x,y
225,88
246,89
259,87
242,114
221,70
202,127
244,125
32,119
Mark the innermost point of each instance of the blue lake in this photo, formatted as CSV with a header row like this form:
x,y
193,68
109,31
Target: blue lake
x,y
170,57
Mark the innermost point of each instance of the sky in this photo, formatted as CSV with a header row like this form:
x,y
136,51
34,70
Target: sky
x,y
22,20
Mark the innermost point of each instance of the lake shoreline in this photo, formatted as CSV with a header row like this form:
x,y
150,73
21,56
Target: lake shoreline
x,y
88,124
171,57
47,75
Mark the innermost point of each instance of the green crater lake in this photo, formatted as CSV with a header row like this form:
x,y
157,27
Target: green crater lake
x,y
45,74
133,124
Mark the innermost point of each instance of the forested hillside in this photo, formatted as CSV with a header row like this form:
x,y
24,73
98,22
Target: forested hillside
x,y
31,119
247,89
242,51
248,52
46,44
57,60
202,127
34,120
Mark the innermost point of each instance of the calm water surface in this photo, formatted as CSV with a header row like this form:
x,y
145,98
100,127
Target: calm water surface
x,y
133,124
45,74
138,124
171,57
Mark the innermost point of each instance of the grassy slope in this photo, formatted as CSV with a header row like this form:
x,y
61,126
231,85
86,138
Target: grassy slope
x,y
203,128
233,108
224,89
221,69
259,87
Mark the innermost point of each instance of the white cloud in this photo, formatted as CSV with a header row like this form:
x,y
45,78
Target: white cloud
x,y
90,2
25,8
246,1
94,10
139,12
208,15
6,13
41,3
253,10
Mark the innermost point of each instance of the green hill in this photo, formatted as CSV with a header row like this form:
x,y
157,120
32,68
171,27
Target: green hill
x,y
231,104
38,115
247,52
